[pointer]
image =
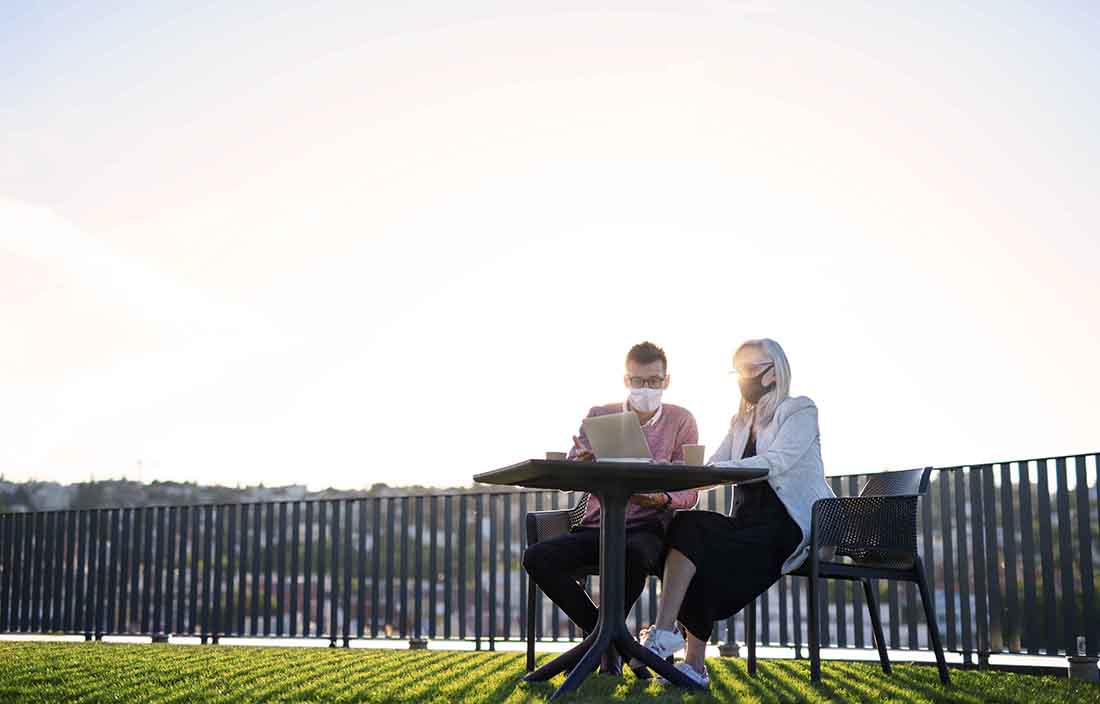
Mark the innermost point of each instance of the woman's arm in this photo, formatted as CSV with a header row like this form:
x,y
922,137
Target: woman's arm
x,y
723,452
794,438
716,460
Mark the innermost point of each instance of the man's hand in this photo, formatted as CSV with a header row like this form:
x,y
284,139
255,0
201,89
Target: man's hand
x,y
583,453
650,500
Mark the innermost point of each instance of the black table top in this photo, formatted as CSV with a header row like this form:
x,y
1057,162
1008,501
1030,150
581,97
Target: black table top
x,y
633,477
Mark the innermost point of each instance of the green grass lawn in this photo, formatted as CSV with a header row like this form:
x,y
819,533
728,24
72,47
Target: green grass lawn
x,y
101,672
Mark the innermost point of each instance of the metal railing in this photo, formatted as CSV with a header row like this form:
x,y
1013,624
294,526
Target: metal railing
x,y
1008,546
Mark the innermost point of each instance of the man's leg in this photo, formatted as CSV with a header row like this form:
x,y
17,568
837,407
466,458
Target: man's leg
x,y
552,565
643,558
644,546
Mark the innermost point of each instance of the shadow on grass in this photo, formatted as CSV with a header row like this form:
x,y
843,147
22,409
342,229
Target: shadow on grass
x,y
792,673
128,672
258,670
453,686
362,676
910,678
761,686
843,682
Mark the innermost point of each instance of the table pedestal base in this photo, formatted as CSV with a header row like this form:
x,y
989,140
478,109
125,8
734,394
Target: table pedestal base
x,y
611,628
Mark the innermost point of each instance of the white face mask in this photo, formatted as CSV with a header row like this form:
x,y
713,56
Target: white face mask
x,y
645,400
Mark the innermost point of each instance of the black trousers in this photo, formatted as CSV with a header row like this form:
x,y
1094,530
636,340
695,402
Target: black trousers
x,y
553,565
736,560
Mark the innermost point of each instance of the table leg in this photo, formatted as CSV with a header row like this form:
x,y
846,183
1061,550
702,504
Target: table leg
x,y
563,662
611,627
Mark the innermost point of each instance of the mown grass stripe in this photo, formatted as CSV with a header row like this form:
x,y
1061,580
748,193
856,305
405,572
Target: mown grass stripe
x,y
107,672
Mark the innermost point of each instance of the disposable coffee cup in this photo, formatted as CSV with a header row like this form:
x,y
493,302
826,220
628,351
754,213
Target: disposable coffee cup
x,y
559,456
695,454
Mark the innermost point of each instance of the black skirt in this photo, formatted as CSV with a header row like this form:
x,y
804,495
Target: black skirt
x,y
736,557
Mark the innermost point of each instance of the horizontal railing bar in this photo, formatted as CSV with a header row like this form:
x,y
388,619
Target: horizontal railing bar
x,y
518,490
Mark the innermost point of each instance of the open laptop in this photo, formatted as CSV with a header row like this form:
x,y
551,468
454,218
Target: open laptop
x,y
617,437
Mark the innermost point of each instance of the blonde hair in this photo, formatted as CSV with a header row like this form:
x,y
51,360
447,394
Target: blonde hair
x,y
763,410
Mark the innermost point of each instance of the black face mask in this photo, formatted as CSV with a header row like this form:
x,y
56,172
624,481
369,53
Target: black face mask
x,y
752,390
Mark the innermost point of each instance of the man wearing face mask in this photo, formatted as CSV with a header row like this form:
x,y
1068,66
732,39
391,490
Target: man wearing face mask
x,y
667,428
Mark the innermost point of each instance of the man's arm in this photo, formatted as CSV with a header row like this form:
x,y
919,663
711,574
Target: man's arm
x,y
687,434
582,449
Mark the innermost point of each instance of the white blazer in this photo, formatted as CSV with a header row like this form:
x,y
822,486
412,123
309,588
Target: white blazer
x,y
790,449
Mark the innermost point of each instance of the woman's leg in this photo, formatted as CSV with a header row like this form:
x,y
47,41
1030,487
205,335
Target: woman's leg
x,y
679,571
695,653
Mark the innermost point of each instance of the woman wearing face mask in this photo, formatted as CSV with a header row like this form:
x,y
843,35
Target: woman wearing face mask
x,y
718,564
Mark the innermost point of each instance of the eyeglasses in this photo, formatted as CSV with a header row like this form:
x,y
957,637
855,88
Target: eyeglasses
x,y
653,382
752,370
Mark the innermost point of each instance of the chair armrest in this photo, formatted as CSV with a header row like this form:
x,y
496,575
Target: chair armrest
x,y
543,525
869,529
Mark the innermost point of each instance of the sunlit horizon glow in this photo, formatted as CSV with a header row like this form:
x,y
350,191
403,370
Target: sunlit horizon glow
x,y
356,243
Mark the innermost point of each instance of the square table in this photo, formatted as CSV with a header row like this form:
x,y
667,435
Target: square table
x,y
613,483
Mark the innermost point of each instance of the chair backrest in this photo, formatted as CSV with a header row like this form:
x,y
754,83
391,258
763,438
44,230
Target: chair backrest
x,y
910,481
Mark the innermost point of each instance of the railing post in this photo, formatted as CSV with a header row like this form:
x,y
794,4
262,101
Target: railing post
x,y
977,518
463,520
322,507
964,565
1065,561
1046,559
492,571
207,569
1084,545
219,555
334,590
158,574
269,563
348,556
448,561
376,562
417,642
280,572
307,571
478,514
362,595
232,556
295,546
506,528
433,529
241,537
403,630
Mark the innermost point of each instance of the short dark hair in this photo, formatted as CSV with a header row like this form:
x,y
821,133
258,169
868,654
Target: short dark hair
x,y
647,353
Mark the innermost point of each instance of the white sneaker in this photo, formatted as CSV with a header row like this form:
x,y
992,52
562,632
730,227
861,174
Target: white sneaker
x,y
700,678
663,643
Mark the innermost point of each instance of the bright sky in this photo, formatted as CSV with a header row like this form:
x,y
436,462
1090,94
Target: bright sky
x,y
407,242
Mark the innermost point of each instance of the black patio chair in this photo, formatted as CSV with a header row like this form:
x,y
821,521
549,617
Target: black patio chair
x,y
875,537
543,525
